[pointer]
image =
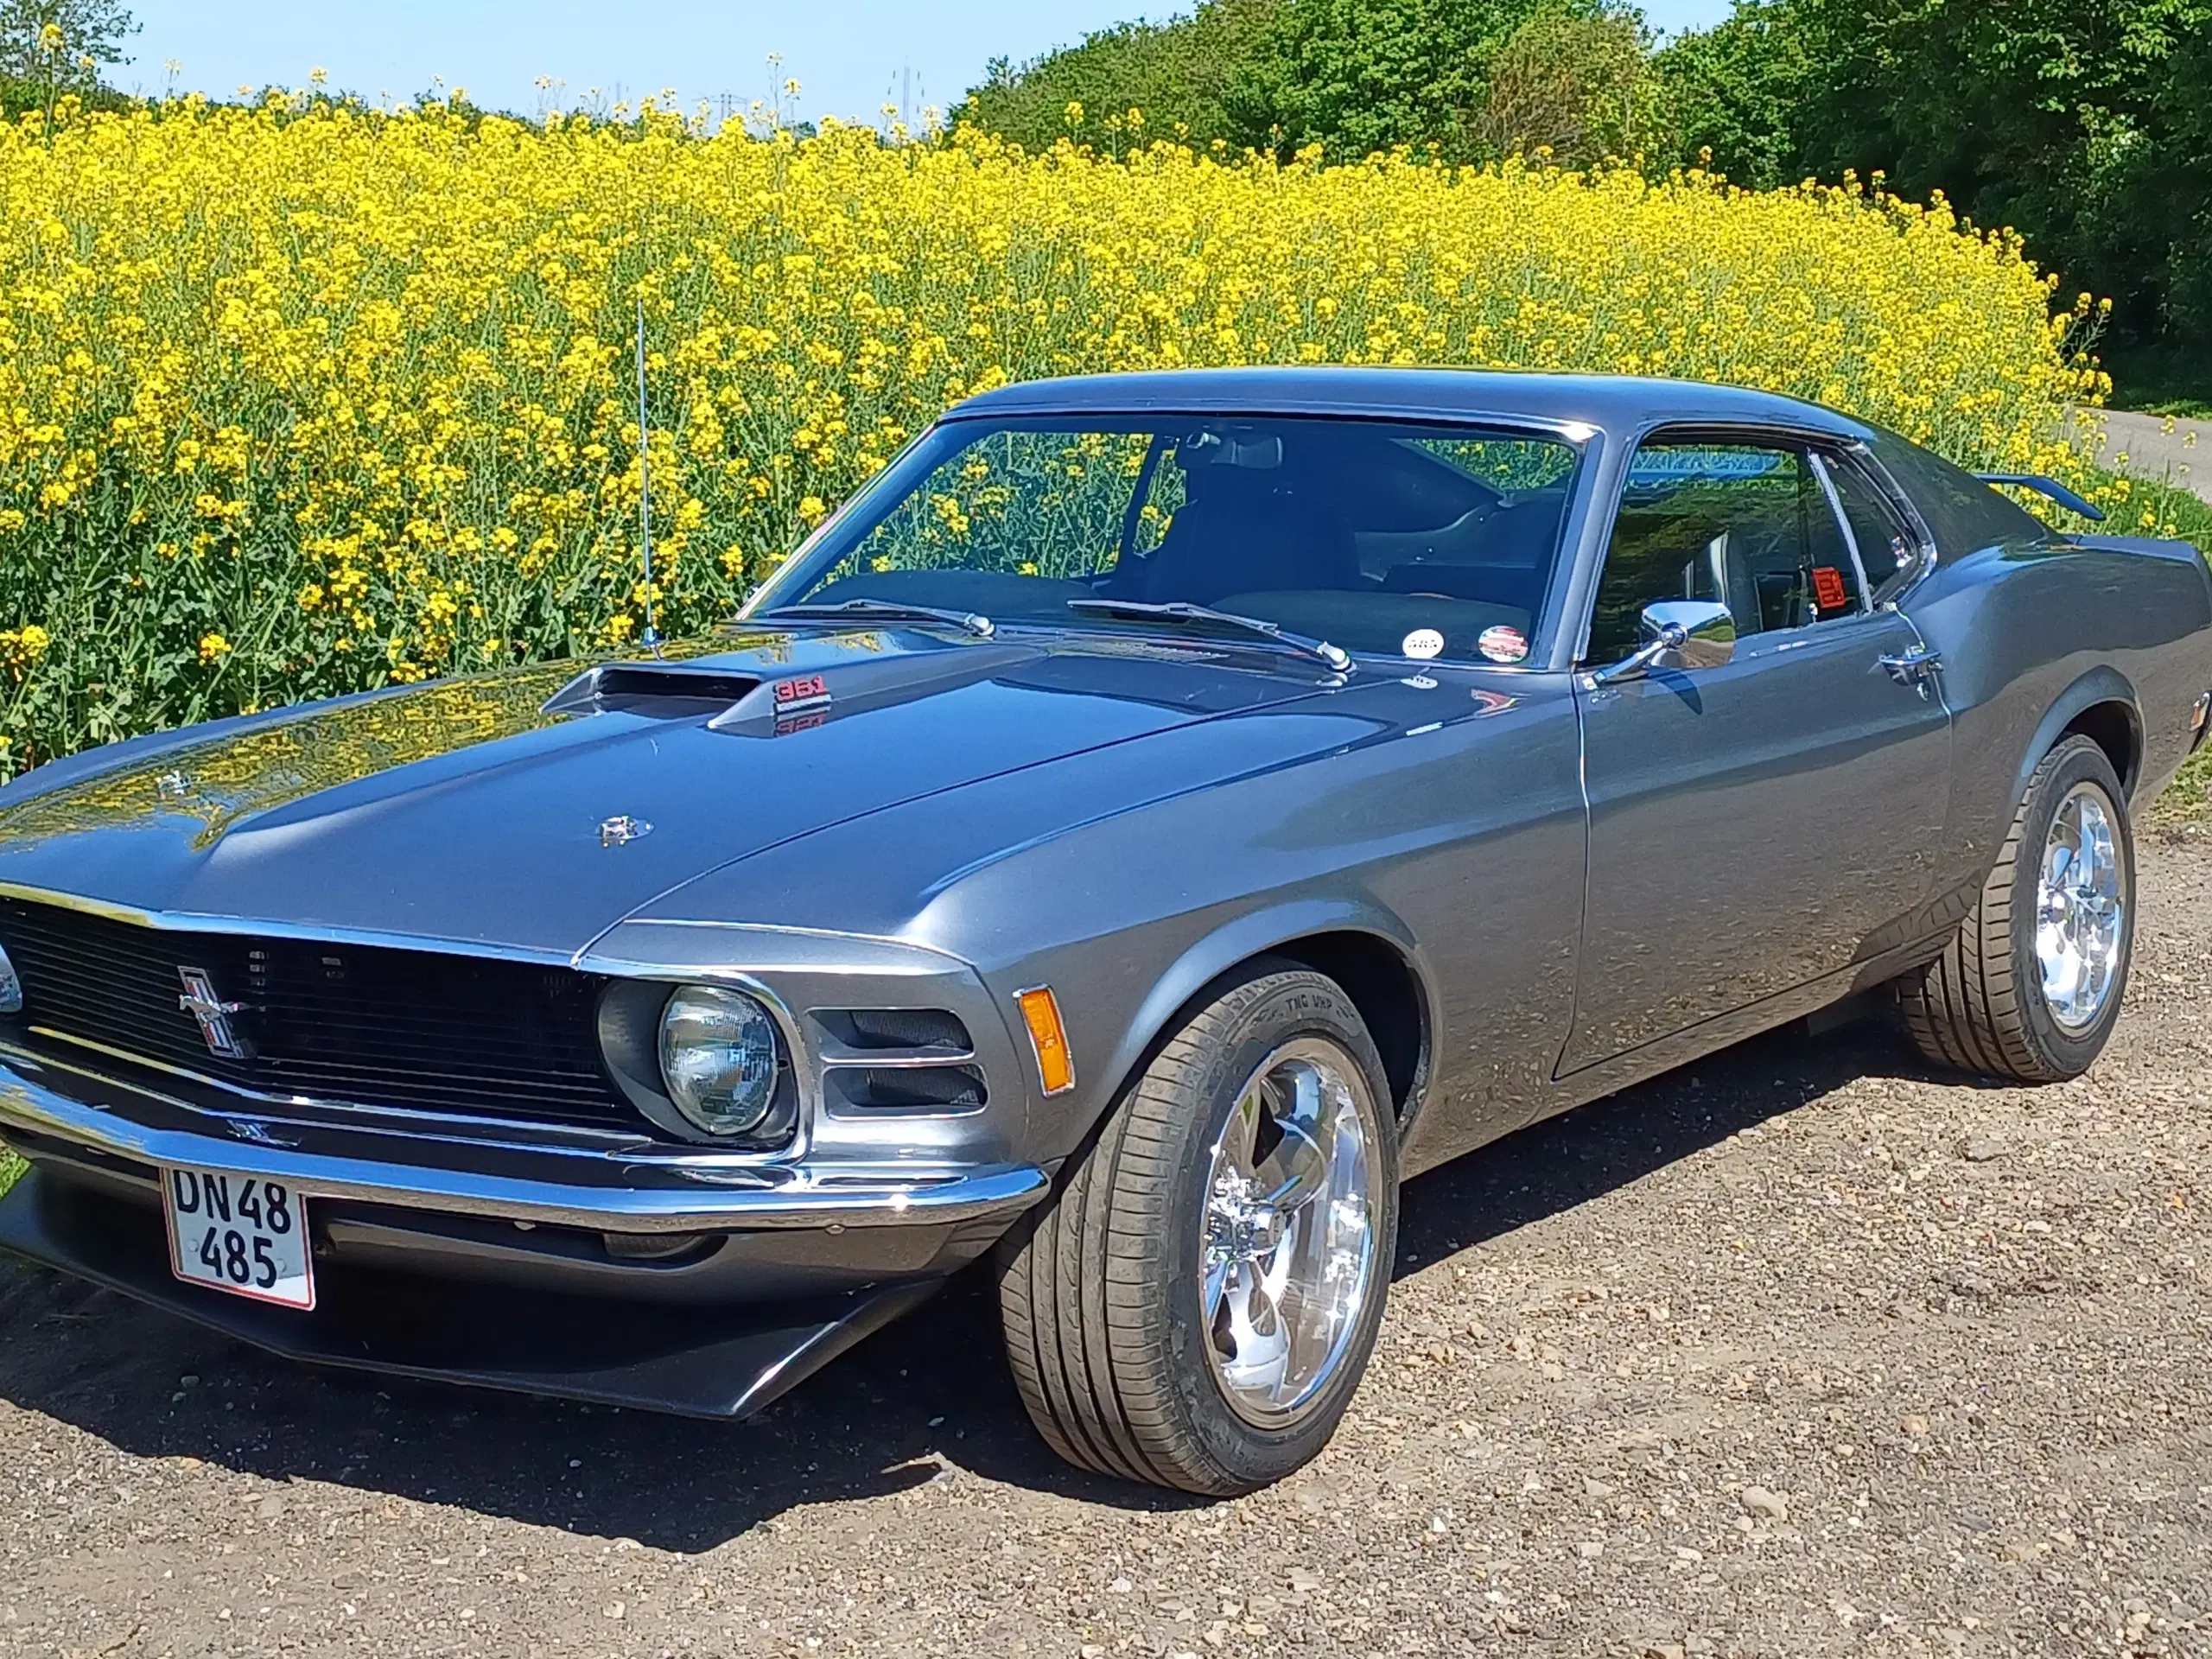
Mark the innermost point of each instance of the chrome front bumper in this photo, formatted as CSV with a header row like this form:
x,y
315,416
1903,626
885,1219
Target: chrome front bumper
x,y
596,1190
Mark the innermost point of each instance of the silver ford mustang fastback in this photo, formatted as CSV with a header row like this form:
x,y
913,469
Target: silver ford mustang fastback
x,y
1154,818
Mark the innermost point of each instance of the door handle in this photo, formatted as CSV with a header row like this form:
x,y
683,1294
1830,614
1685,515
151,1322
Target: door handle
x,y
1915,668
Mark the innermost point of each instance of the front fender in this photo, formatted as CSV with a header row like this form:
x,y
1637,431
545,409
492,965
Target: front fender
x,y
1240,940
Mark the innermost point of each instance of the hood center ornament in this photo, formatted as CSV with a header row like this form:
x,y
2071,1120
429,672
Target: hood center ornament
x,y
612,832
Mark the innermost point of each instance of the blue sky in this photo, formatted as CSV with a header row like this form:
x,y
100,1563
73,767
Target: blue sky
x,y
847,55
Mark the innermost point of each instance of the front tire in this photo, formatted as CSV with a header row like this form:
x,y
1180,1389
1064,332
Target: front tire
x,y
1197,1304
2029,989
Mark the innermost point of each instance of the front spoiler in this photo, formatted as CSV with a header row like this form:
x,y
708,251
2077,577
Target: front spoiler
x,y
691,1362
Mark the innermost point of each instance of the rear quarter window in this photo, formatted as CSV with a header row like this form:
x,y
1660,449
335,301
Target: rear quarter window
x,y
1965,513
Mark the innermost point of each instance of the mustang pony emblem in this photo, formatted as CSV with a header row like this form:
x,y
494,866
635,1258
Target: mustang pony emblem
x,y
213,1014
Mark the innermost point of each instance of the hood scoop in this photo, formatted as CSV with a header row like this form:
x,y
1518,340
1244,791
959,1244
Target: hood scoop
x,y
651,691
757,705
798,703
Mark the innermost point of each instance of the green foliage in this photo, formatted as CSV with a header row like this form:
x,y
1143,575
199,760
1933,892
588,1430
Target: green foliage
x,y
11,1169
1177,73
1578,86
1352,76
1358,76
1733,92
19,97
2081,122
50,47
2084,124
2189,513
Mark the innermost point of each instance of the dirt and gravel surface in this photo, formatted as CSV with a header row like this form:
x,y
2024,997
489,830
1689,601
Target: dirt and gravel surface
x,y
1803,1351
2176,452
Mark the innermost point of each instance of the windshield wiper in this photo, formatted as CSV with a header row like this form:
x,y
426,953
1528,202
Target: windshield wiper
x,y
884,610
1181,610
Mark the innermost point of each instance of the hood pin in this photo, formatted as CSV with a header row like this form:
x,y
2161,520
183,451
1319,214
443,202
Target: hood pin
x,y
612,832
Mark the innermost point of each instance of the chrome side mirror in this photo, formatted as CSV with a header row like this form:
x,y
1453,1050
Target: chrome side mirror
x,y
1676,634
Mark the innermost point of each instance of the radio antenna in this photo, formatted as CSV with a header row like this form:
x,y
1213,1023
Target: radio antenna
x,y
645,485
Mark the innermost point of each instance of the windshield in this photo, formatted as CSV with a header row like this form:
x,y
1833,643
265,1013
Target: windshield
x,y
1412,540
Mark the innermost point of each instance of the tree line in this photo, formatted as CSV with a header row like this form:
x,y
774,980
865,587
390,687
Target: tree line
x,y
2084,124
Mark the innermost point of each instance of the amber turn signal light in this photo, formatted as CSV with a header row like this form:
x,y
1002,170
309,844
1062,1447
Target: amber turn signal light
x,y
1040,1012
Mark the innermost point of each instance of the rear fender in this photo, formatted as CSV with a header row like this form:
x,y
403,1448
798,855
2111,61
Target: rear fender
x,y
2103,683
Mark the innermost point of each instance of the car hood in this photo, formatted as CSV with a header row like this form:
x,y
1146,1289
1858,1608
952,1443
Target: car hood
x,y
532,809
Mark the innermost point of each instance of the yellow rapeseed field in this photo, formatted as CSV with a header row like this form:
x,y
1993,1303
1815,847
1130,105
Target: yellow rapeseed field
x,y
300,400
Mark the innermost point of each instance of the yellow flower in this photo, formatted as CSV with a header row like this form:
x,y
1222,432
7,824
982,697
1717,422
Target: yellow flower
x,y
363,358
21,648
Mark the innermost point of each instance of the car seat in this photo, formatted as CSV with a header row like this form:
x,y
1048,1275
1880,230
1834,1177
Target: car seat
x,y
1247,534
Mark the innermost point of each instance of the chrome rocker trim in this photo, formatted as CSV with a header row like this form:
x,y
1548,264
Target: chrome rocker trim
x,y
735,1198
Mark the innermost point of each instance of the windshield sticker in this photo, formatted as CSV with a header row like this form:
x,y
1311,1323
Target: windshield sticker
x,y
1690,464
1503,644
1828,591
1422,643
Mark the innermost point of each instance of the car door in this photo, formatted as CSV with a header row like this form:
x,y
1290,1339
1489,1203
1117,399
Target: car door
x,y
1756,825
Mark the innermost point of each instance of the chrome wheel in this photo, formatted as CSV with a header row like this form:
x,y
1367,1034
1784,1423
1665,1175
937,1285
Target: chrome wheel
x,y
1287,1262
2080,908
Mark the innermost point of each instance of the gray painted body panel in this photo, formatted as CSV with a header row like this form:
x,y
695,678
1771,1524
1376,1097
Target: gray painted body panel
x,y
460,813
2030,636
1752,827
1584,887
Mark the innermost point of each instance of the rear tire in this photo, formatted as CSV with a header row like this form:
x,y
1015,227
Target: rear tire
x,y
2004,999
1139,1323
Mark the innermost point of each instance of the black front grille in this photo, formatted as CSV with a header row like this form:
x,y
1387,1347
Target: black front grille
x,y
374,1025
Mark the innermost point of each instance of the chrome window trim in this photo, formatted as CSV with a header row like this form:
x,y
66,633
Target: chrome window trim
x,y
1842,523
1587,439
1860,456
1808,435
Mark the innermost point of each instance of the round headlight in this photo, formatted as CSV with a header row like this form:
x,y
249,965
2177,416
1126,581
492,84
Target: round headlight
x,y
718,1057
11,987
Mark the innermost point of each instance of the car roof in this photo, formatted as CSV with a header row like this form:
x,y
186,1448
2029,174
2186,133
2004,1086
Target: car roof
x,y
1609,402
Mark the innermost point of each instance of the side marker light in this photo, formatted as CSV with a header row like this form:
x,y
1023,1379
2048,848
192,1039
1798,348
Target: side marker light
x,y
1040,1012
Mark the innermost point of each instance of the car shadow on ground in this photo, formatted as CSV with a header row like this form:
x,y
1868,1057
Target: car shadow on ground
x,y
925,1400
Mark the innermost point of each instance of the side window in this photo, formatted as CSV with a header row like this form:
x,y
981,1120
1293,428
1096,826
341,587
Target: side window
x,y
1885,543
1747,525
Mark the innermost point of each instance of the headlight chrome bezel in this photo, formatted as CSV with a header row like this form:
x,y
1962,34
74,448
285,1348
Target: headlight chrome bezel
x,y
632,1015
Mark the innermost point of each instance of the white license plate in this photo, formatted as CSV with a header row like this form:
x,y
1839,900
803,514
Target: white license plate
x,y
238,1233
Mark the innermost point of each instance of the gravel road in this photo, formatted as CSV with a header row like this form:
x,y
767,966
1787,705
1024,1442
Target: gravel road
x,y
1803,1351
2177,452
